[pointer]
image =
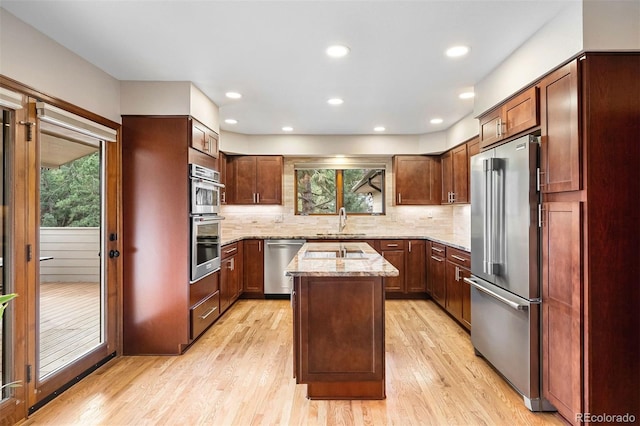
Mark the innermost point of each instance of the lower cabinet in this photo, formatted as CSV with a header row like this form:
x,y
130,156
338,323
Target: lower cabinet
x,y
393,252
416,269
408,256
230,275
457,292
437,272
253,254
204,303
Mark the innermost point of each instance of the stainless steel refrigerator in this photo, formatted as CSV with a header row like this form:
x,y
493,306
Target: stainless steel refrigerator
x,y
505,265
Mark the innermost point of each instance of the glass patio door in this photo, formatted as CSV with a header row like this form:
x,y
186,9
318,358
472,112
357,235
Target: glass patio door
x,y
75,220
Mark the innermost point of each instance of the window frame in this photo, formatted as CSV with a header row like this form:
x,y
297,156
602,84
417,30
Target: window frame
x,y
339,192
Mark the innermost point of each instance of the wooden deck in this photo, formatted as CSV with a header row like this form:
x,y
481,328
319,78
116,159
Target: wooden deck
x,y
240,373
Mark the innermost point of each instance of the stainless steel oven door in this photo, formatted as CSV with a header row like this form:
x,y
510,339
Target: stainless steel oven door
x,y
205,196
205,245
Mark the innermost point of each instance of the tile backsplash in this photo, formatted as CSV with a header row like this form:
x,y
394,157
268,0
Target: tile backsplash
x,y
407,221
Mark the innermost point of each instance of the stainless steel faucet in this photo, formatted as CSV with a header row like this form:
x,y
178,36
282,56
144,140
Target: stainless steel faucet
x,y
342,219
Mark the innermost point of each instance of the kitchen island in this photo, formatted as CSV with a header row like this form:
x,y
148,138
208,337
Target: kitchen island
x,y
338,320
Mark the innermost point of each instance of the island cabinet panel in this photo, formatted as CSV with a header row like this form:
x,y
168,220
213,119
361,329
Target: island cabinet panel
x,y
339,337
418,179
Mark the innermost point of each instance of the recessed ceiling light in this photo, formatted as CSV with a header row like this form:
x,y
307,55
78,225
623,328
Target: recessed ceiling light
x,y
436,121
287,129
338,51
379,129
335,101
466,95
231,121
233,95
457,51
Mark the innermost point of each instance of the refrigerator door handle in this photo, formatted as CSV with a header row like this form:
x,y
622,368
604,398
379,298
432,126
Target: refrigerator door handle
x,y
486,223
510,303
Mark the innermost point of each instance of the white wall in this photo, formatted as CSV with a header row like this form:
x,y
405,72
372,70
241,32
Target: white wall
x,y
155,97
611,25
463,130
31,58
203,109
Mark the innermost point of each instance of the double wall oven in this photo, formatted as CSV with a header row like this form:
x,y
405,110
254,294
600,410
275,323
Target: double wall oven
x,y
205,221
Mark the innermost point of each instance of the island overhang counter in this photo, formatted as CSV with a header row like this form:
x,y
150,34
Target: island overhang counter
x,y
338,320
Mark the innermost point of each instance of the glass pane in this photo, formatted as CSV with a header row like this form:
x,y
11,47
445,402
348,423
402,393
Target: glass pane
x,y
363,191
316,191
5,283
70,285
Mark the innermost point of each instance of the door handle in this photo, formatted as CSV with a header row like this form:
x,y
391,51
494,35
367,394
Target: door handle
x,y
114,253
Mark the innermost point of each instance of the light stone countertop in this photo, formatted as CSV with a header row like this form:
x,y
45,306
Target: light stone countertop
x,y
456,241
339,260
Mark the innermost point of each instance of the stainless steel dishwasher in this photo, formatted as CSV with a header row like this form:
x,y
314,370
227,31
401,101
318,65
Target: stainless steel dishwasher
x,y
277,255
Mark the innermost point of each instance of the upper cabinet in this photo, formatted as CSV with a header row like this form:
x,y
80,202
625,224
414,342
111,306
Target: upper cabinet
x,y
254,179
514,116
204,139
560,143
455,172
417,179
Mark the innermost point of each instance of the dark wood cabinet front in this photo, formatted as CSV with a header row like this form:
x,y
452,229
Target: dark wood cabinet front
x,y
253,252
418,179
394,252
458,293
204,139
437,273
230,275
255,179
455,173
415,281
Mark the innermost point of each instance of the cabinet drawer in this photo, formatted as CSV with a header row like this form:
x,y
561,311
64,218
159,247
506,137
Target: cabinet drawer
x,y
459,257
438,250
203,288
229,250
204,314
392,245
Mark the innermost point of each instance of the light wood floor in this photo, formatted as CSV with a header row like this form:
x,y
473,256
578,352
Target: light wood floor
x,y
239,373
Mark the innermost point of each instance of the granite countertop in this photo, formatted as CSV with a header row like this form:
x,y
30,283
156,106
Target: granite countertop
x,y
456,241
339,260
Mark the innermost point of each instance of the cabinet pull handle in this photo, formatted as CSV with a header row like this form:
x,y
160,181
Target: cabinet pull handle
x,y
399,198
260,246
224,197
437,249
457,274
437,259
461,259
392,245
231,250
232,263
257,198
409,246
209,312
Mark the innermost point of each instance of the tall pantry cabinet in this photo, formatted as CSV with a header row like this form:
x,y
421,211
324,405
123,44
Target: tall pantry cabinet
x,y
590,182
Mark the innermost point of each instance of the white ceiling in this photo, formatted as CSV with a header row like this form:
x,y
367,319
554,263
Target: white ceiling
x,y
272,52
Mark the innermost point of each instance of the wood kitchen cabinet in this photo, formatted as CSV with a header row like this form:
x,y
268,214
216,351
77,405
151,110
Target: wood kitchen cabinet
x,y
416,280
436,275
203,138
418,179
230,275
591,181
253,253
394,252
516,115
158,315
254,179
222,168
204,301
455,173
457,292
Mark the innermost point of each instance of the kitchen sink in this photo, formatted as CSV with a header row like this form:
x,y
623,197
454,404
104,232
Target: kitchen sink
x,y
335,254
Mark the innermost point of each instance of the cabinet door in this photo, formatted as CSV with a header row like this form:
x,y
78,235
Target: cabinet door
x,y
417,179
490,128
269,180
198,136
226,278
561,307
460,174
437,277
254,267
446,164
222,167
427,258
560,141
415,278
521,112
211,147
393,252
244,179
453,292
466,298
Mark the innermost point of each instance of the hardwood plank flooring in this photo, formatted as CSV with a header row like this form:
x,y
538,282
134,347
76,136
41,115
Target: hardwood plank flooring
x,y
240,373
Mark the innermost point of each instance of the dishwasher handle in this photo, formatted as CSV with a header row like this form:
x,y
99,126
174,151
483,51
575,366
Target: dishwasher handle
x,y
285,244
